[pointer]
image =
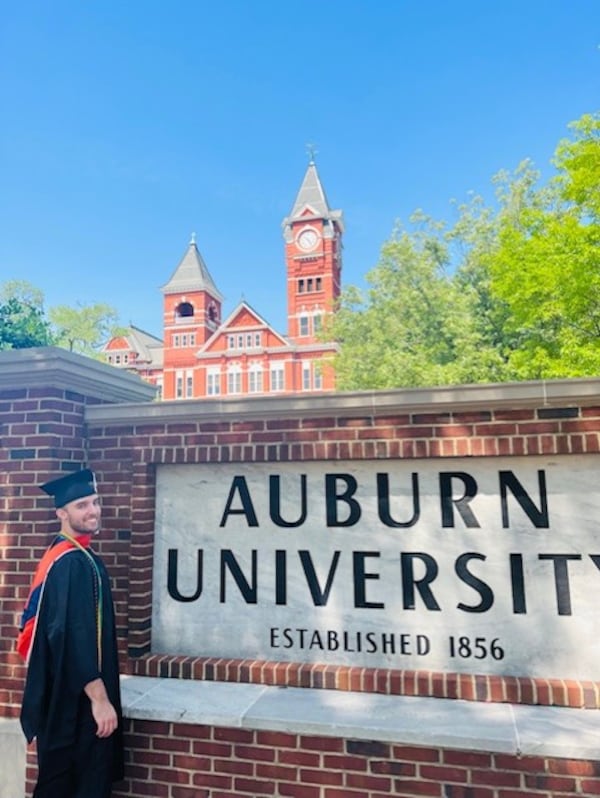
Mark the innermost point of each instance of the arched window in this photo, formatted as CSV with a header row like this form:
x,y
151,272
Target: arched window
x,y
184,310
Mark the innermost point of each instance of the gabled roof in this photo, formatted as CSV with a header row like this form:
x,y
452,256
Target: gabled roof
x,y
142,337
192,275
147,347
227,325
311,201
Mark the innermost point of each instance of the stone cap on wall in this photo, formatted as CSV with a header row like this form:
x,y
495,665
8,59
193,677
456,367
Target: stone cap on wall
x,y
445,399
54,367
404,720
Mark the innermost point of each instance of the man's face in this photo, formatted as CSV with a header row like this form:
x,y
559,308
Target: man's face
x,y
82,516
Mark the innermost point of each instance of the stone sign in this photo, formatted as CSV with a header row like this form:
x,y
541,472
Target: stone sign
x,y
479,565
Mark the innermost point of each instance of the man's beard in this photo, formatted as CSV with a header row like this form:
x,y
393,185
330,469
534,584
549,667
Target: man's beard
x,y
83,531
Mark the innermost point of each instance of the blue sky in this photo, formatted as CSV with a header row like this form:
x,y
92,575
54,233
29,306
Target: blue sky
x,y
127,126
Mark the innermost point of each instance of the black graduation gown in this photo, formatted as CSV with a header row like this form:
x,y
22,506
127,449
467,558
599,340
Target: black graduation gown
x,y
64,658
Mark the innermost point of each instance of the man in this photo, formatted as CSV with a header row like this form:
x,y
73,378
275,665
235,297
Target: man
x,y
71,702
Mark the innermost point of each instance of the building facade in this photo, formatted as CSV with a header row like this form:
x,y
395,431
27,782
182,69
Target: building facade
x,y
203,355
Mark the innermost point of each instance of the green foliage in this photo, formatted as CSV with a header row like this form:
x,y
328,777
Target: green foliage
x,y
22,325
416,325
578,160
24,292
505,293
546,267
429,317
85,328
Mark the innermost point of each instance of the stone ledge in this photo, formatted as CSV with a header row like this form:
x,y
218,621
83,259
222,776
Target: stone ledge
x,y
444,399
54,367
429,722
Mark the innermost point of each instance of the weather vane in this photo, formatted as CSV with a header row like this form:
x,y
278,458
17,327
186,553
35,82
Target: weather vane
x,y
312,150
193,239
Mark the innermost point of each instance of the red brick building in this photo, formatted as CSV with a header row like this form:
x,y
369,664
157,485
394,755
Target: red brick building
x,y
203,355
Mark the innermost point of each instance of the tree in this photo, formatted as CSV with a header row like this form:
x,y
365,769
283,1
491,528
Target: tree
x,y
83,329
416,325
546,267
509,291
22,320
24,292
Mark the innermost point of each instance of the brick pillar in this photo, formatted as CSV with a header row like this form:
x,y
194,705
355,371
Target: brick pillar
x,y
41,438
43,395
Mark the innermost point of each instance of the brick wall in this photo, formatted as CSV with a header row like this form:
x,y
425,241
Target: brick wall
x,y
184,761
47,429
122,451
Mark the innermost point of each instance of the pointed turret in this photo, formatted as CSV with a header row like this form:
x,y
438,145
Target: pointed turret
x,y
311,195
192,275
311,203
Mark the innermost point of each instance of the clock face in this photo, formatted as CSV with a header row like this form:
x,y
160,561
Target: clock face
x,y
308,239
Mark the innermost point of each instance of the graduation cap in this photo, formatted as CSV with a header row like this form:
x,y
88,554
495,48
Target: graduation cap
x,y
73,486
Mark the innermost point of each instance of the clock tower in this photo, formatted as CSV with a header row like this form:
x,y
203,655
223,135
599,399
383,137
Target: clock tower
x,y
313,251
205,356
